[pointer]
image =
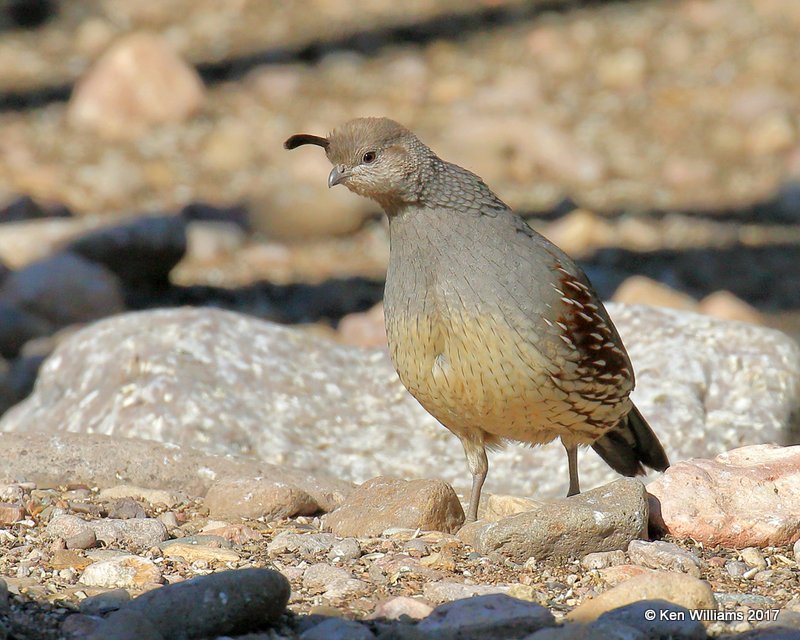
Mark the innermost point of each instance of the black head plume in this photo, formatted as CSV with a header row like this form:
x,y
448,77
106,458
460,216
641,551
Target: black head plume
x,y
299,139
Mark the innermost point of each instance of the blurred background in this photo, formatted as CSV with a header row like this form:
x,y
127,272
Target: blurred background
x,y
141,159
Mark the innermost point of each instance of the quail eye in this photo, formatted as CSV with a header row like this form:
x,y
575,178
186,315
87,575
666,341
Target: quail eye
x,y
369,157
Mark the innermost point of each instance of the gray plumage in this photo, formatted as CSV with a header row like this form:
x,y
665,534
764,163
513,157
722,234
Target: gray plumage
x,y
494,329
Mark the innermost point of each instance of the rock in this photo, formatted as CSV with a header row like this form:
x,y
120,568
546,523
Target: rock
x,y
193,552
85,538
623,69
345,549
259,498
4,603
153,496
498,507
105,602
363,329
68,559
125,509
796,550
603,519
446,591
677,588
725,305
591,631
17,327
233,602
738,384
753,558
64,289
233,533
617,574
67,526
338,629
383,503
643,290
579,232
26,208
400,607
141,252
664,555
125,624
669,620
52,460
11,513
735,569
496,616
143,533
22,243
746,497
126,571
334,583
304,544
603,559
138,82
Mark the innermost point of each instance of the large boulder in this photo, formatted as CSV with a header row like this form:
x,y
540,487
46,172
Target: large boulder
x,y
228,383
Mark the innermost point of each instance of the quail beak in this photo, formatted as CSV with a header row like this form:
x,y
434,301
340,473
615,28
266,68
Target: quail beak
x,y
337,176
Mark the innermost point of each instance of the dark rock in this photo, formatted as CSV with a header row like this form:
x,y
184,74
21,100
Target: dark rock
x,y
204,212
17,327
494,616
338,629
17,382
64,289
766,277
126,624
222,603
139,253
125,509
29,14
657,619
25,208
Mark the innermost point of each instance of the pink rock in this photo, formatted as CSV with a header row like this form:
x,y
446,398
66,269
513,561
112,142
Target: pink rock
x,y
11,513
748,497
398,606
138,82
365,329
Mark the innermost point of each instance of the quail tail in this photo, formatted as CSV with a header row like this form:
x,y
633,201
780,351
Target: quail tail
x,y
630,445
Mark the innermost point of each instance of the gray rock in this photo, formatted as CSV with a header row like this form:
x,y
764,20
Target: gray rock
x,y
101,460
126,509
446,591
603,559
4,603
67,526
338,629
64,289
305,544
142,533
664,555
106,602
603,519
234,384
735,568
345,549
497,616
198,539
607,630
226,602
669,620
126,625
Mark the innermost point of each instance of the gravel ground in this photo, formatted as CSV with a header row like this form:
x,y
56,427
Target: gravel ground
x,y
43,577
644,104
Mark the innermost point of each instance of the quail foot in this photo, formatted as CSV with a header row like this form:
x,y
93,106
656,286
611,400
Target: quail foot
x,y
494,329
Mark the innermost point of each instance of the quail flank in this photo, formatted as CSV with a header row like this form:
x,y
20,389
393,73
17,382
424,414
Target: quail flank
x,y
494,329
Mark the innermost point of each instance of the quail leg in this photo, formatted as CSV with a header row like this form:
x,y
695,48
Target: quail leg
x,y
478,467
572,459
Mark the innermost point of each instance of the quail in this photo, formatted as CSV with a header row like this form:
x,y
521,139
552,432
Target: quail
x,y
491,327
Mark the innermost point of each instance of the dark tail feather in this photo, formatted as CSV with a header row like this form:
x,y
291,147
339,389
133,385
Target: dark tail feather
x,y
631,444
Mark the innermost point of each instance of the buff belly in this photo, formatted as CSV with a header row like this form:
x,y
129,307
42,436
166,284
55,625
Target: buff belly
x,y
483,379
